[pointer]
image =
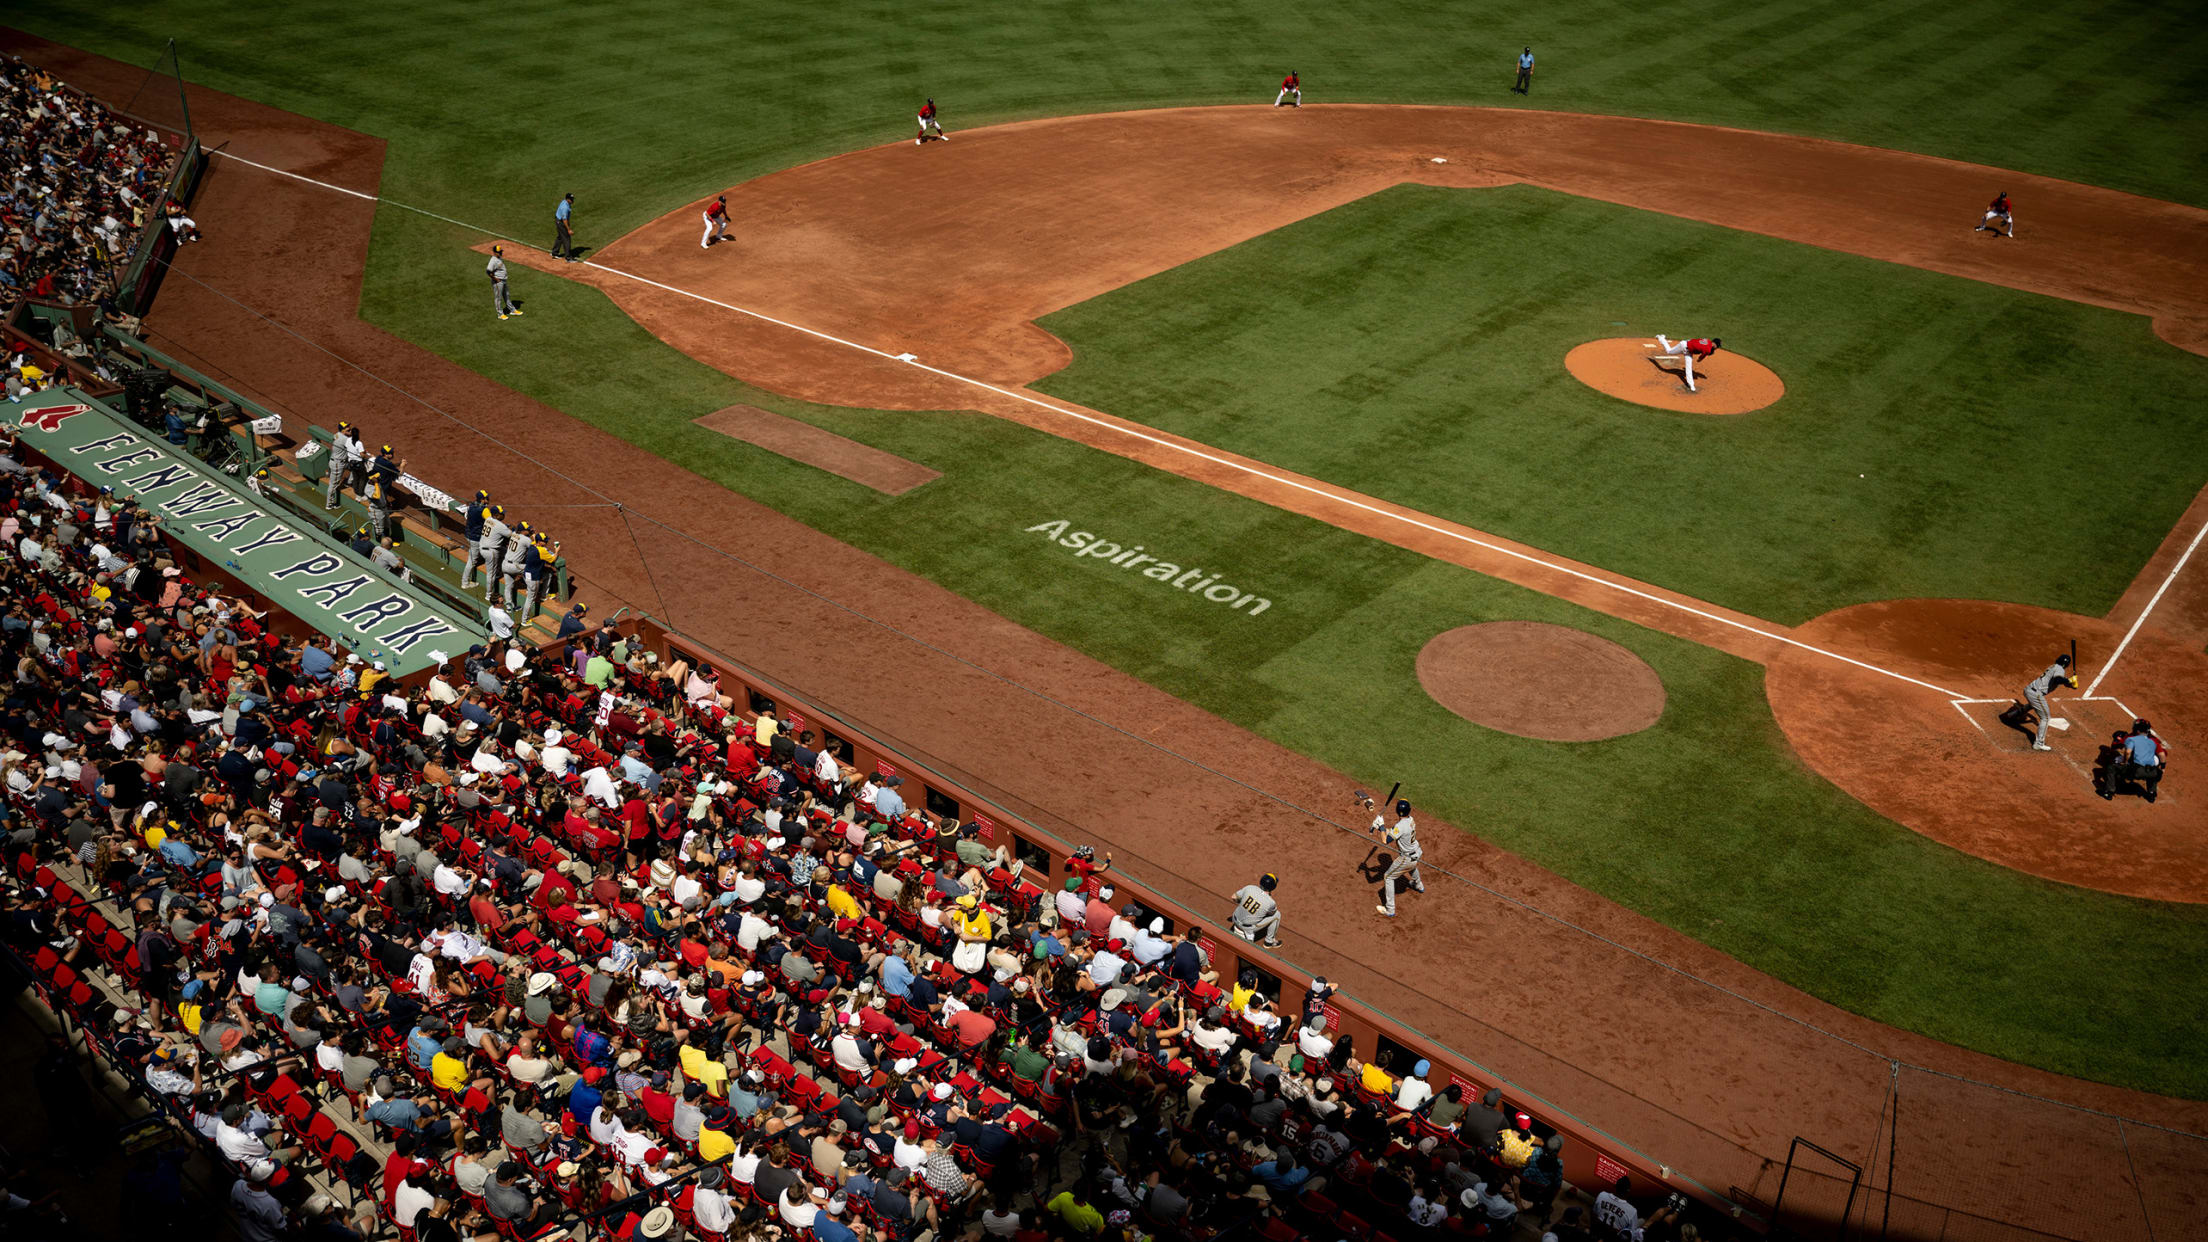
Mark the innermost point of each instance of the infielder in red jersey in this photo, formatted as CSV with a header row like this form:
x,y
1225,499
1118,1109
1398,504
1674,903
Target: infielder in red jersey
x,y
716,223
1291,91
1998,218
929,126
1700,347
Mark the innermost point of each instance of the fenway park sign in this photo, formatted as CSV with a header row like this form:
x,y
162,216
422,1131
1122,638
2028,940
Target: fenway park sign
x,y
298,567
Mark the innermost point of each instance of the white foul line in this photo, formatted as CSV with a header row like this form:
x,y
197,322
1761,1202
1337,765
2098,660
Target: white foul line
x,y
231,155
2141,619
1337,496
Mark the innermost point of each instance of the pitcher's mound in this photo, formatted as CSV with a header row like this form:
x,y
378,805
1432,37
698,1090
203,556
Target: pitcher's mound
x,y
1632,368
1545,681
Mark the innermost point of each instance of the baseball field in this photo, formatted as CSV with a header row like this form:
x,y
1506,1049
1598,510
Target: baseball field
x,y
1318,356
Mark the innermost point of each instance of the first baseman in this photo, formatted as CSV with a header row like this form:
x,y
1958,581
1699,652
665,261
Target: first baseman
x,y
1998,218
1291,91
496,270
1699,347
929,126
1404,837
716,223
1256,912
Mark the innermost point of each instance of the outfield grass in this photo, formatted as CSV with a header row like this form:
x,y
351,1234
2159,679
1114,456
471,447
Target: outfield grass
x,y
494,109
1705,822
1418,356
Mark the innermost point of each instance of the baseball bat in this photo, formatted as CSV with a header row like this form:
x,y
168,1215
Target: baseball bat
x,y
2074,662
1382,810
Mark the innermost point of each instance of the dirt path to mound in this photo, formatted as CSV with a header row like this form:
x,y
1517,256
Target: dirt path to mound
x,y
1713,1084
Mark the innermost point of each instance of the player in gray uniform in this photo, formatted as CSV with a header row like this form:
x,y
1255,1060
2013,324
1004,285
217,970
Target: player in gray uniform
x,y
475,523
496,535
1404,838
2035,698
496,270
509,565
345,449
1255,911
536,574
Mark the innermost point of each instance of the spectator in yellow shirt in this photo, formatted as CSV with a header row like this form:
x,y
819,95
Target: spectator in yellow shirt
x,y
1376,1077
1077,1213
714,1146
842,904
449,1070
704,1070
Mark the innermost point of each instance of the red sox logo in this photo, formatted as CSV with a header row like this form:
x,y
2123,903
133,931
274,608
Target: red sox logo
x,y
50,417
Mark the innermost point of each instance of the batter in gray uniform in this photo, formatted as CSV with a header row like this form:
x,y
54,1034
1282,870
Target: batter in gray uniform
x,y
1255,911
2035,696
496,270
1404,837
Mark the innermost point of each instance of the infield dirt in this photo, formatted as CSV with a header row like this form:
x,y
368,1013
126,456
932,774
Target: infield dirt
x,y
1714,1085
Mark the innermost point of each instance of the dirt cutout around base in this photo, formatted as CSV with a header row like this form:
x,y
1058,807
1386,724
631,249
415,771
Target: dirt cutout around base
x,y
1634,368
1542,681
799,441
1961,775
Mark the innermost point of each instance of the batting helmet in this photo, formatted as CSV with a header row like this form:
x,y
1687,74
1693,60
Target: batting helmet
x,y
1270,882
1402,808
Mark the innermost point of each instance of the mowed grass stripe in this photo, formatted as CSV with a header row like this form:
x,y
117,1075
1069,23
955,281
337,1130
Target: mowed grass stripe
x,y
1939,437
1706,822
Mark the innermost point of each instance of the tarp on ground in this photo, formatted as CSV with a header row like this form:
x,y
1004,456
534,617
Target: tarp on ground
x,y
297,566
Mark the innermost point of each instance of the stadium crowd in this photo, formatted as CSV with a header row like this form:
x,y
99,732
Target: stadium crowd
x,y
569,937
570,940
78,184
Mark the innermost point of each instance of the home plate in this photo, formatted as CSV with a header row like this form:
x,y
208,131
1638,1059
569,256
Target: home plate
x,y
2057,722
1438,160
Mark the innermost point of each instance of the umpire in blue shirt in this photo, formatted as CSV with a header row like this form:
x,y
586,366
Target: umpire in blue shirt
x,y
563,232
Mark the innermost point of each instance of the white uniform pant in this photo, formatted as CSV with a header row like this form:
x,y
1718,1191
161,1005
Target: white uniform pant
x,y
1285,92
1679,348
467,567
1404,864
715,231
1266,929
